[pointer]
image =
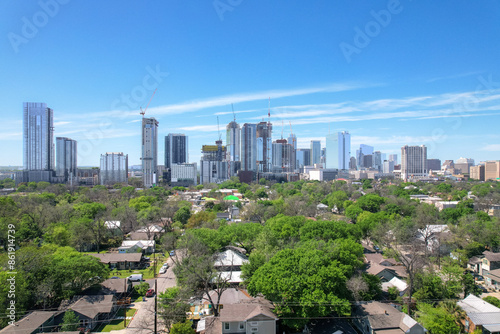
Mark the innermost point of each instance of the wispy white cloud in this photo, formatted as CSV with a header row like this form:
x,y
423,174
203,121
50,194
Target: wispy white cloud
x,y
202,128
491,148
455,76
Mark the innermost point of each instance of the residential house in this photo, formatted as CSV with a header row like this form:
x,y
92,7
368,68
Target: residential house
x,y
379,318
492,278
92,310
119,287
114,226
484,263
151,232
480,315
432,235
229,263
389,271
135,246
247,318
35,322
120,261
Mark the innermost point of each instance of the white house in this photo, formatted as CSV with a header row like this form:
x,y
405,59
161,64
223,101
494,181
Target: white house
x,y
136,246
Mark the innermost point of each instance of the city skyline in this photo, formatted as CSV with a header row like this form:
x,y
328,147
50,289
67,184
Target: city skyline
x,y
406,84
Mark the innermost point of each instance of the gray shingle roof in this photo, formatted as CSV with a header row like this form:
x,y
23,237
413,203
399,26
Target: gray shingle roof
x,y
29,323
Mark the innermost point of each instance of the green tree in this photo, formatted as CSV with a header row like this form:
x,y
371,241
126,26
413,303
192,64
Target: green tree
x,y
141,288
172,306
436,319
182,215
492,300
70,321
182,328
370,202
353,211
308,281
337,199
199,218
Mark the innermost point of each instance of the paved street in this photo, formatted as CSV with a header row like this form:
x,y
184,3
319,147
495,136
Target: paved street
x,y
143,322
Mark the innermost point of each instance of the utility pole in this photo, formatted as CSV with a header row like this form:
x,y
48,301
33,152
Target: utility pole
x,y
156,307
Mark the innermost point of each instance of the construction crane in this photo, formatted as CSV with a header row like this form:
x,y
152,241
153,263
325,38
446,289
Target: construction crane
x,y
218,129
144,111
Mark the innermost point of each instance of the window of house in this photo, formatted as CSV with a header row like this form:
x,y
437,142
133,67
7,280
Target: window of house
x,y
242,325
254,323
254,329
226,325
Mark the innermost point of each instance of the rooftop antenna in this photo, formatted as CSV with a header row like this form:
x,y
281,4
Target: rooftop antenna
x,y
282,127
234,116
144,111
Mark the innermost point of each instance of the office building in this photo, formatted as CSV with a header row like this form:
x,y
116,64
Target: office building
x,y
477,172
66,159
367,161
38,137
264,135
364,150
183,175
352,163
114,168
413,162
393,157
492,170
213,164
303,157
433,164
283,157
462,165
315,152
176,149
388,166
249,147
233,141
149,152
378,161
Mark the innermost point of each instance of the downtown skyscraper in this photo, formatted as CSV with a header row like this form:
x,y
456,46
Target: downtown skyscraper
x,y
338,150
176,149
249,147
233,144
66,158
413,162
38,137
315,152
149,152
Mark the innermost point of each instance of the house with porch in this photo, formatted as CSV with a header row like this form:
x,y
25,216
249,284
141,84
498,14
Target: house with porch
x,y
120,261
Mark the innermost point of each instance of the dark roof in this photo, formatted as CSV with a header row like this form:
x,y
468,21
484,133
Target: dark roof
x,y
244,312
29,323
383,317
118,257
492,257
91,306
116,285
329,326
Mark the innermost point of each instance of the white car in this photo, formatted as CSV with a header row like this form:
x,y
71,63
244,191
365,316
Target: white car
x,y
163,270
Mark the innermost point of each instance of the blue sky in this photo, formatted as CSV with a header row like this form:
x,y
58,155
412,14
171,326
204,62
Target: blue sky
x,y
389,72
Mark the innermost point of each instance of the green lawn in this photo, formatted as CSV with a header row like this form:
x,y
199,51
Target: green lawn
x,y
118,323
146,273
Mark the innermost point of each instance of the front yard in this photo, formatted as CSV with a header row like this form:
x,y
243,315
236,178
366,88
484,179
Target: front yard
x,y
119,320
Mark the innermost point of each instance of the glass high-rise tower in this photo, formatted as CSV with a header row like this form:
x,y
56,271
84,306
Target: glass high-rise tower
x,y
38,137
66,158
176,149
149,152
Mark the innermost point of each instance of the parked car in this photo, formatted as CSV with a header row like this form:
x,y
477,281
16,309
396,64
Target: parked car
x,y
163,270
166,265
135,278
150,293
482,288
172,253
478,277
